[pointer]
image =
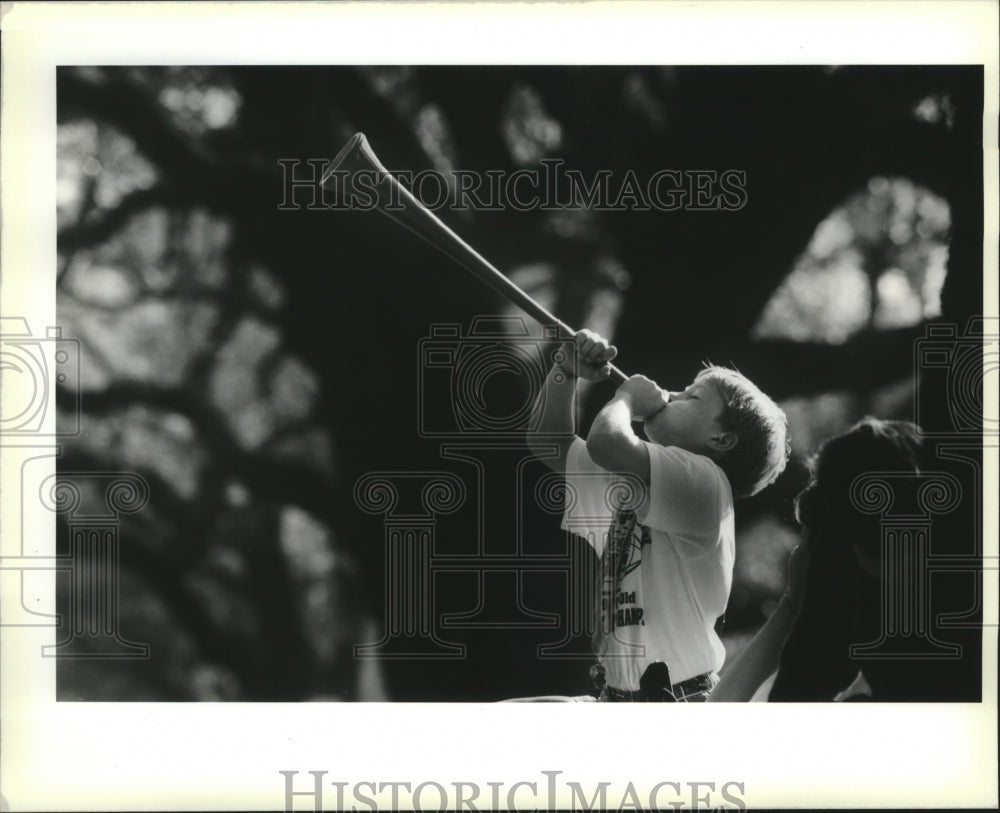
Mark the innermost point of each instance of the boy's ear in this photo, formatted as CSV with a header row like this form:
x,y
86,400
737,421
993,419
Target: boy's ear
x,y
724,441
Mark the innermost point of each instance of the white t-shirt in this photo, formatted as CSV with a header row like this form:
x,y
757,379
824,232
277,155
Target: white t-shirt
x,y
666,579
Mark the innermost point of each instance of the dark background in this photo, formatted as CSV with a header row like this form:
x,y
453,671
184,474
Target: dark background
x,y
252,363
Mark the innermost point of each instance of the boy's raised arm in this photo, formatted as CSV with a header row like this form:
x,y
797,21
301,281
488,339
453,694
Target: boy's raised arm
x,y
555,425
612,443
555,401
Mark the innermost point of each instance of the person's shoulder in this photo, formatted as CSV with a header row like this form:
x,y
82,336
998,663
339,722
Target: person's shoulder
x,y
694,462
688,494
680,453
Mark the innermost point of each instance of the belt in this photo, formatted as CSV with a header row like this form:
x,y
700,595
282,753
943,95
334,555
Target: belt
x,y
679,691
656,687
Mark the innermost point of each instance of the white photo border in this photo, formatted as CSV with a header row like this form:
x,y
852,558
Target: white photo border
x,y
146,756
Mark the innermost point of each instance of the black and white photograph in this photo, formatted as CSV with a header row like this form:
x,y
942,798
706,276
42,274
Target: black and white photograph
x,y
372,391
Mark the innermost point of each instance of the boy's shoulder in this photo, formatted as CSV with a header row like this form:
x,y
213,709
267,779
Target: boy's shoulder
x,y
678,455
676,469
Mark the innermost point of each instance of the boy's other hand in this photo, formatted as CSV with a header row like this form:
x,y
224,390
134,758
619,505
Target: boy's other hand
x,y
594,355
645,396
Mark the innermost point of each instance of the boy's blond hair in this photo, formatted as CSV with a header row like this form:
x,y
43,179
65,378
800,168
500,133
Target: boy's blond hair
x,y
762,450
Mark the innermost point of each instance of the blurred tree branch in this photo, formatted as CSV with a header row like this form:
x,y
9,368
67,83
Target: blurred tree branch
x,y
863,363
281,480
236,182
90,231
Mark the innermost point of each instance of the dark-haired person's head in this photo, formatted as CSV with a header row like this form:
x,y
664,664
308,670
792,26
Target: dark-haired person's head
x,y
841,602
827,508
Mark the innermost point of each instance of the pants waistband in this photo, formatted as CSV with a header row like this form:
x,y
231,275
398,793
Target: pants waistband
x,y
679,692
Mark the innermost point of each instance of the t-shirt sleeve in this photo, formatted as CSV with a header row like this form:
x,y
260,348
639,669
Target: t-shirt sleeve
x,y
689,495
587,511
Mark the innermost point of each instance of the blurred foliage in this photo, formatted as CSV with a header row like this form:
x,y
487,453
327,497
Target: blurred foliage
x,y
879,260
252,364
